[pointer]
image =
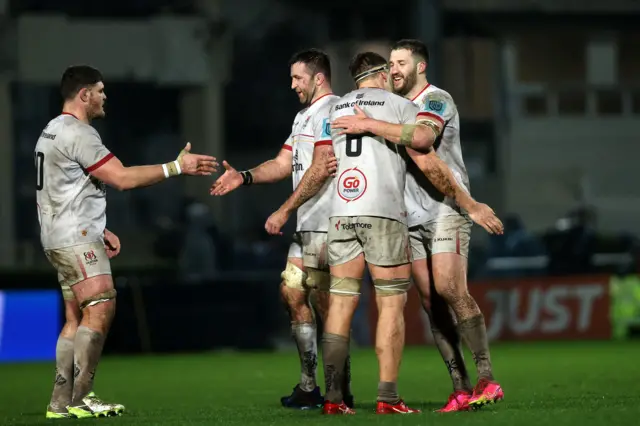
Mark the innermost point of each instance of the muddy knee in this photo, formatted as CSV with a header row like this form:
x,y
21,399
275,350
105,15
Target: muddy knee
x,y
98,310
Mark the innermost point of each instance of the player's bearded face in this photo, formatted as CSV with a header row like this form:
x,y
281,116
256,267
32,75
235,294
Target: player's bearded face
x,y
303,83
403,71
96,98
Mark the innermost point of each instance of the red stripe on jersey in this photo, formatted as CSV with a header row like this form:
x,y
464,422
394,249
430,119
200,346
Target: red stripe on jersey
x,y
100,163
320,98
287,147
68,113
324,142
425,114
421,92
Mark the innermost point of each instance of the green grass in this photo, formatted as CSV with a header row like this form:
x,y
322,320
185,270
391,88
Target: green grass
x,y
576,384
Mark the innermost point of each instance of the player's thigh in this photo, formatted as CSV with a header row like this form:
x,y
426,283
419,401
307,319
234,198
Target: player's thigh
x,y
315,260
388,254
449,248
385,242
293,276
346,259
448,234
84,270
421,277
419,264
343,245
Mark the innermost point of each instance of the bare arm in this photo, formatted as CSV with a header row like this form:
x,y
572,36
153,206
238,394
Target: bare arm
x,y
312,180
273,170
270,171
111,171
420,136
441,177
423,136
116,175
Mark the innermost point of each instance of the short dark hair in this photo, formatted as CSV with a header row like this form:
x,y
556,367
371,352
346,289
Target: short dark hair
x,y
416,47
316,60
76,78
363,62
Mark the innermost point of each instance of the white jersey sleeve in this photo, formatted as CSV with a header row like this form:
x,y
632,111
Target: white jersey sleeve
x,y
371,171
88,150
438,107
424,202
71,203
288,144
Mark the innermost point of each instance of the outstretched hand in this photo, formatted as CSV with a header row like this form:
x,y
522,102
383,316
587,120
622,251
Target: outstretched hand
x,y
196,164
230,180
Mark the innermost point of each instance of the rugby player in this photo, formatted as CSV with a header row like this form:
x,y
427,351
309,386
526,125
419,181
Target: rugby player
x,y
304,156
440,230
72,167
368,223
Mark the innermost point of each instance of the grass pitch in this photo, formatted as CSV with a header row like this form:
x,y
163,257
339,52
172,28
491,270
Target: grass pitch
x,y
573,384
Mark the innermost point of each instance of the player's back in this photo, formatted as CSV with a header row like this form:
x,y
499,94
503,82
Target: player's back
x,y
371,172
71,203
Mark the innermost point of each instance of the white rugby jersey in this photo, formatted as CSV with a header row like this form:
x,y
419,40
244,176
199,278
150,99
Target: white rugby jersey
x,y
371,171
310,128
424,202
71,203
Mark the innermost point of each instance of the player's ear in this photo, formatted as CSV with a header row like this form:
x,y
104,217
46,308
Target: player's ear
x,y
422,67
84,94
319,78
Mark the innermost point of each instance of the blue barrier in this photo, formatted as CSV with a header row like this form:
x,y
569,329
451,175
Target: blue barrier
x,y
30,321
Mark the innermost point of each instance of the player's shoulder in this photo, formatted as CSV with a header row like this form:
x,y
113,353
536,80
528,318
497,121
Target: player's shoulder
x,y
399,101
325,105
435,94
439,102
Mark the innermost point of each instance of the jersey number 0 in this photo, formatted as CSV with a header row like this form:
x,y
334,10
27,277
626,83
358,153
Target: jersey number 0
x,y
354,145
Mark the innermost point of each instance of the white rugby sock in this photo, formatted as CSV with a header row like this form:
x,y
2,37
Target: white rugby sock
x,y
305,335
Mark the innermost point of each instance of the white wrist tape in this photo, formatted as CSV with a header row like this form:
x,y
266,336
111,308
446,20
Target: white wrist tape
x,y
171,169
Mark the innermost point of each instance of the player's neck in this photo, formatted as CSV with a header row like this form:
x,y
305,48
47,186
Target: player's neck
x,y
420,85
369,85
78,113
321,93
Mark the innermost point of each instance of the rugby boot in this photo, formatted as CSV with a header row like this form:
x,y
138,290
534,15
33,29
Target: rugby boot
x,y
398,408
336,409
458,401
302,400
58,414
101,408
486,392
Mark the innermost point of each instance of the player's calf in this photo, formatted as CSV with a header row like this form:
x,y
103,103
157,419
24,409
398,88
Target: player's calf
x,y
319,282
306,394
97,301
449,270
335,340
63,383
391,297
